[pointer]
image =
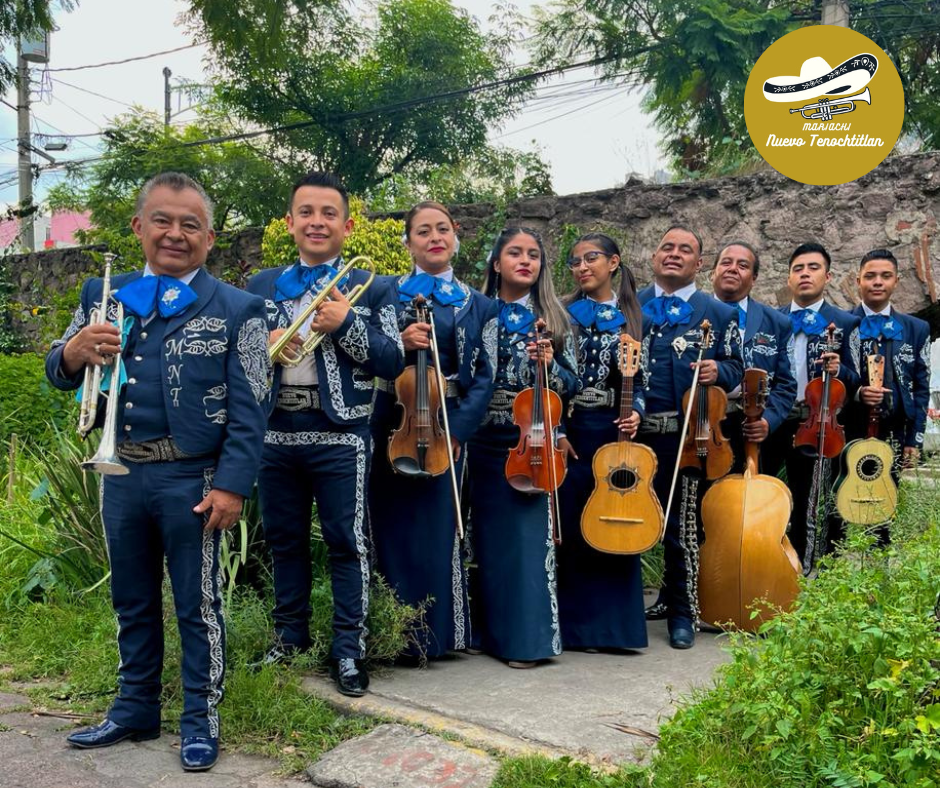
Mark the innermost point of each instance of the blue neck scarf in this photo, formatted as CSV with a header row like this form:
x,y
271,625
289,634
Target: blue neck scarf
x,y
881,326
443,292
668,309
809,322
588,313
742,316
515,319
162,293
298,279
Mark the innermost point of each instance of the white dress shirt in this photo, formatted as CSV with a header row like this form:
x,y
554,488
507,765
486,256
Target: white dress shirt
x,y
305,373
800,342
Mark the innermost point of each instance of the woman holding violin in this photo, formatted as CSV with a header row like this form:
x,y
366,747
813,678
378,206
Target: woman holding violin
x,y
413,502
515,608
600,594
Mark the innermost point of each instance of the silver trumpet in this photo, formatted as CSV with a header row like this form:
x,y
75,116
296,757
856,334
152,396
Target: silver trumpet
x,y
827,108
105,461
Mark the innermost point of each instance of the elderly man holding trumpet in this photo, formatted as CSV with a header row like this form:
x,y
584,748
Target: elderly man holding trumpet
x,y
180,451
333,329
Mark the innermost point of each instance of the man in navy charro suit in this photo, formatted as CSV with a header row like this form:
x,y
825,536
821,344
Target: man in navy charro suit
x,y
810,315
317,446
766,336
904,341
673,310
190,426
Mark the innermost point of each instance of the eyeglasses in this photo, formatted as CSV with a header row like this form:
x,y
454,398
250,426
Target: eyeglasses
x,y
589,257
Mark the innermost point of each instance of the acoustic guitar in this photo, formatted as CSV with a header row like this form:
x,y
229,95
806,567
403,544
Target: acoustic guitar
x,y
866,493
623,514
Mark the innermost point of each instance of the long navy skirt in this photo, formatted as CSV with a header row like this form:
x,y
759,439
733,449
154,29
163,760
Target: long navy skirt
x,y
414,532
600,595
514,601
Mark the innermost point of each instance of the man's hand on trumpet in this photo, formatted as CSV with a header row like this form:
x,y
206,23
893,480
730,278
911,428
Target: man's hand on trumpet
x,y
331,314
292,348
94,344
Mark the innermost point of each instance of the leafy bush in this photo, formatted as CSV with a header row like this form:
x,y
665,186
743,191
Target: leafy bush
x,y
29,405
379,239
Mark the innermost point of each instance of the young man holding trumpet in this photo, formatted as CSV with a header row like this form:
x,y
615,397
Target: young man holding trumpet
x,y
180,451
317,446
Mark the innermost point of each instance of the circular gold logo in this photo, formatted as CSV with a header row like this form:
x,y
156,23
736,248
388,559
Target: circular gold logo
x,y
824,105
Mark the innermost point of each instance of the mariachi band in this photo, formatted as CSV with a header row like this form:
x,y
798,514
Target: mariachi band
x,y
502,458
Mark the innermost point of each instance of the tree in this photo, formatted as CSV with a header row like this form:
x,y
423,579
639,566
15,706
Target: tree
x,y
355,91
19,18
246,185
695,58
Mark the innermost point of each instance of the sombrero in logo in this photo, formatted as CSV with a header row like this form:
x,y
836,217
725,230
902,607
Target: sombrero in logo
x,y
817,78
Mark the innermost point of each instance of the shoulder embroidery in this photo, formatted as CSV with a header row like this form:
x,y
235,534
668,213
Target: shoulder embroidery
x,y
253,354
490,340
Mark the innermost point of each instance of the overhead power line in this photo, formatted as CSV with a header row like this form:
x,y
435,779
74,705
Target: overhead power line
x,y
127,59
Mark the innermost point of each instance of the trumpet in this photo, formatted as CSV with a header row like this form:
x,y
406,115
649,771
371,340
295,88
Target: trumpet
x,y
105,461
279,350
829,108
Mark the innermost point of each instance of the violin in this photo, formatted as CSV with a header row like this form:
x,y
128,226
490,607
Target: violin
x,y
705,446
419,447
535,464
825,397
623,514
746,558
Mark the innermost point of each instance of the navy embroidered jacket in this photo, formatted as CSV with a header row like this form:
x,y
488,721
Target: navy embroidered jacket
x,y
668,351
846,336
366,345
476,336
766,341
910,367
214,369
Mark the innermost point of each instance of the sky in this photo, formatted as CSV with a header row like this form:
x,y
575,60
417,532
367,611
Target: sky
x,y
591,140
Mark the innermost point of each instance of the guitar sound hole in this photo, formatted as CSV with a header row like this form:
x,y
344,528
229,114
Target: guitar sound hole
x,y
869,468
622,479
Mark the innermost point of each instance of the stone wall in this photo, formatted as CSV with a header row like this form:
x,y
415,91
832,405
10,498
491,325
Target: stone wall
x,y
895,206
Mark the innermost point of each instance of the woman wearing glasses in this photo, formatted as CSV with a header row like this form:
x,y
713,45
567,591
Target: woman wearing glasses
x,y
513,588
600,595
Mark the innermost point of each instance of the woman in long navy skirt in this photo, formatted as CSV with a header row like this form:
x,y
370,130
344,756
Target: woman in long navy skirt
x,y
514,601
414,524
600,594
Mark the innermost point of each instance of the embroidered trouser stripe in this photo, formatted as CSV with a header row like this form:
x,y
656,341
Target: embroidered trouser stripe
x,y
148,514
306,459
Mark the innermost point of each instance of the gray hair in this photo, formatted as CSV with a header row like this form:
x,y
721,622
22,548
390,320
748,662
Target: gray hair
x,y
176,181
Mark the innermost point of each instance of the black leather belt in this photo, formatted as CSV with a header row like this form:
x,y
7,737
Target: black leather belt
x,y
594,398
295,398
450,388
502,400
159,450
660,424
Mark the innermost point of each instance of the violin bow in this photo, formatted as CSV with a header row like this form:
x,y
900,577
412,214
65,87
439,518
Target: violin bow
x,y
442,390
552,493
706,334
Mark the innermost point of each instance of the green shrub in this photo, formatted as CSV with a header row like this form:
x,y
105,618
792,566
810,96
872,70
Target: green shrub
x,y
29,405
379,239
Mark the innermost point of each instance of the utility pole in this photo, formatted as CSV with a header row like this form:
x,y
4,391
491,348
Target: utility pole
x,y
166,98
835,12
24,147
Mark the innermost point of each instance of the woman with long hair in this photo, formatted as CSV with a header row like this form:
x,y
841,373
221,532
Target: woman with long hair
x,y
513,594
414,525
600,594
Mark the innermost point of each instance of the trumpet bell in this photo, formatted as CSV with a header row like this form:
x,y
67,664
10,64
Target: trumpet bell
x,y
106,466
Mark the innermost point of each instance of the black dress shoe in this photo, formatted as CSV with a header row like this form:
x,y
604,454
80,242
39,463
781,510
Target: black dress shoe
x,y
350,676
198,754
657,611
278,654
681,637
107,733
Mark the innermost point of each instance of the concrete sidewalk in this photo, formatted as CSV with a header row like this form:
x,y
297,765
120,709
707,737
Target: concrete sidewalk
x,y
601,708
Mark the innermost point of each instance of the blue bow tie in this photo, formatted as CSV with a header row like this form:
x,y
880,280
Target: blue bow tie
x,y
515,319
443,292
298,279
742,316
809,322
589,313
881,326
163,293
668,309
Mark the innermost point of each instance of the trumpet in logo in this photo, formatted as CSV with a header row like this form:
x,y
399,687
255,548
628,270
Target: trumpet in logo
x,y
818,80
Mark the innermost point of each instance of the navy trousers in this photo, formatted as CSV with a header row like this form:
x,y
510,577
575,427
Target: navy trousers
x,y
148,514
308,458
